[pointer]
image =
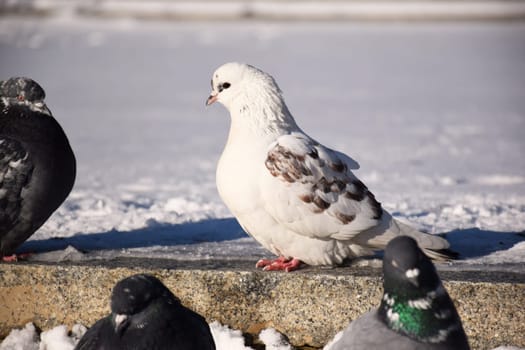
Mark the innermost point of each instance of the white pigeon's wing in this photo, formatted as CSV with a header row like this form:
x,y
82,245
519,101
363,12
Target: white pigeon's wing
x,y
310,189
349,162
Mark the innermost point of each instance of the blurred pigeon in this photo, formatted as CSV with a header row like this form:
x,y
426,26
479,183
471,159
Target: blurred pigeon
x,y
416,312
37,165
145,315
298,198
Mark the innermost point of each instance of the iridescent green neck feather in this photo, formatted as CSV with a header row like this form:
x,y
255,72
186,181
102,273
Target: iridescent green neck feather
x,y
428,317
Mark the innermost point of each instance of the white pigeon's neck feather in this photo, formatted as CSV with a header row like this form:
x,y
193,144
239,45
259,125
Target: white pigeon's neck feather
x,y
260,108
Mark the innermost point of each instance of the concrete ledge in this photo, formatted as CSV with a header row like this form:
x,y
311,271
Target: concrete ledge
x,y
309,306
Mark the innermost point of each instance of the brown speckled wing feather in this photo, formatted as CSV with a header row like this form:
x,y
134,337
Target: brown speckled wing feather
x,y
312,190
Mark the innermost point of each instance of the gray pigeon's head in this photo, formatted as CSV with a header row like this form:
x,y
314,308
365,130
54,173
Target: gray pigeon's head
x,y
21,91
134,295
415,303
145,315
407,268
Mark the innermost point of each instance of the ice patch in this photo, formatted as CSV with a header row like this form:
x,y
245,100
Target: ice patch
x,y
21,339
448,181
500,180
181,206
56,339
226,338
70,253
274,340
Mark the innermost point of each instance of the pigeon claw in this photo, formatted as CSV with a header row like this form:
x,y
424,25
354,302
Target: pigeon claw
x,y
16,257
279,264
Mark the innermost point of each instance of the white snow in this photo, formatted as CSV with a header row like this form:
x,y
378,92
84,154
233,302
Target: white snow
x,y
274,340
21,339
227,338
433,112
56,338
437,130
59,338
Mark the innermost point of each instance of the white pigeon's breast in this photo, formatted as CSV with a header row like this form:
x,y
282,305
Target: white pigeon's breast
x,y
237,171
237,176
238,181
254,197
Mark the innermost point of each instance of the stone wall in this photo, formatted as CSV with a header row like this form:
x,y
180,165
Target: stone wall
x,y
309,306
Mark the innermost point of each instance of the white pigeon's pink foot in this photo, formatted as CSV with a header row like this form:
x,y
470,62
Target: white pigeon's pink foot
x,y
15,257
279,264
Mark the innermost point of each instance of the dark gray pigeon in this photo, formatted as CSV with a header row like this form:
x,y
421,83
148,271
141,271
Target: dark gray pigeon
x,y
416,312
37,164
145,315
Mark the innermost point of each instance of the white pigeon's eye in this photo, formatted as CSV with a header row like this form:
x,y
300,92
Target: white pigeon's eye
x,y
223,86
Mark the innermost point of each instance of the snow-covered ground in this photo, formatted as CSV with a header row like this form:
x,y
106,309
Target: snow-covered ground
x,y
434,113
60,338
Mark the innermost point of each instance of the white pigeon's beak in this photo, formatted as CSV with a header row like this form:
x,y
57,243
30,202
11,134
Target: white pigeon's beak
x,y
212,98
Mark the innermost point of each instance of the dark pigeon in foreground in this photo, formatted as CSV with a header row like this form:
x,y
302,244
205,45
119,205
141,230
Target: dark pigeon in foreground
x,y
37,164
145,315
416,312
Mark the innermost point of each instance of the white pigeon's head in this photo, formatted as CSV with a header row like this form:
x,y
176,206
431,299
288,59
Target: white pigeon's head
x,y
251,95
235,82
227,82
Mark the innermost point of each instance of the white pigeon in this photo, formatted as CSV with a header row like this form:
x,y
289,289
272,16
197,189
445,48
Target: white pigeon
x,y
296,197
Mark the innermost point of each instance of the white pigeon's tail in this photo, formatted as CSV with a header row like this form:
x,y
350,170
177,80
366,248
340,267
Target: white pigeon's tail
x,y
435,247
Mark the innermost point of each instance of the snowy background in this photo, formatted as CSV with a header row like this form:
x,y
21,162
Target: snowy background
x,y
434,113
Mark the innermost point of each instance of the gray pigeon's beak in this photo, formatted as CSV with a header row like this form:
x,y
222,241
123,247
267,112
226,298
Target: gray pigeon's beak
x,y
120,323
212,98
42,107
47,110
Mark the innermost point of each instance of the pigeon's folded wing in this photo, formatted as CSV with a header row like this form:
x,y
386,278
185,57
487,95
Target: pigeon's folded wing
x,y
189,330
99,337
15,172
311,190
